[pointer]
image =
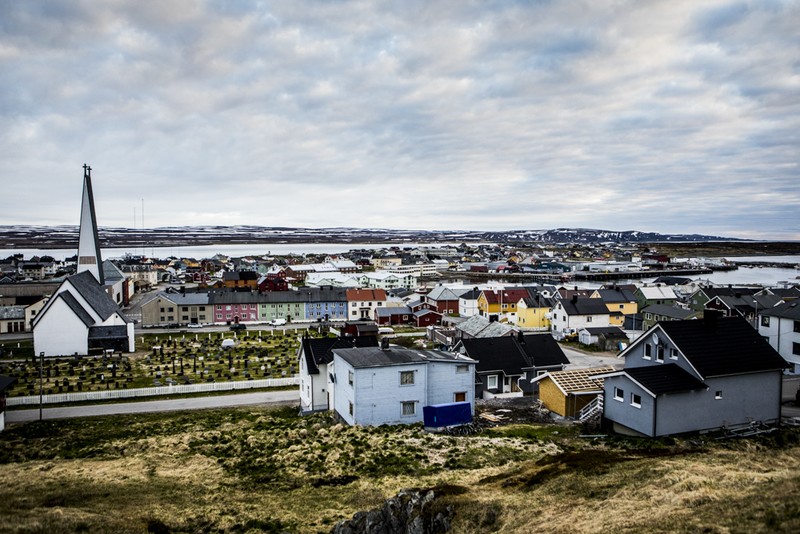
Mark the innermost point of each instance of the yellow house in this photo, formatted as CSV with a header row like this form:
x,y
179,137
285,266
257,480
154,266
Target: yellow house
x,y
502,303
534,312
619,301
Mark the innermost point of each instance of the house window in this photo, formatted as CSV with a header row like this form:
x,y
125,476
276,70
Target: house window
x,y
648,351
184,317
350,377
202,308
619,394
589,319
185,308
408,407
673,354
462,368
718,395
350,407
796,349
797,326
648,316
491,382
765,320
406,378
460,396
219,316
659,353
163,310
636,400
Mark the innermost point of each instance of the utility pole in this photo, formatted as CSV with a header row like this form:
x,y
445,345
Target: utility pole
x,y
41,384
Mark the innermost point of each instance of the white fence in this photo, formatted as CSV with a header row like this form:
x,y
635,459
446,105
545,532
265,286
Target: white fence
x,y
111,394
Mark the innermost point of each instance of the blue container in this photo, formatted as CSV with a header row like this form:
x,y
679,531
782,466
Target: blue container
x,y
443,415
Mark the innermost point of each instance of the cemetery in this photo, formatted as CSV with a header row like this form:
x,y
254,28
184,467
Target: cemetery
x,y
161,360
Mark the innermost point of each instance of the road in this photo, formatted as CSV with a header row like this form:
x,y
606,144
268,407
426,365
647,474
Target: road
x,y
263,398
583,360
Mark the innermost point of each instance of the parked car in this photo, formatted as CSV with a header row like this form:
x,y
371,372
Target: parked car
x,y
278,322
238,326
194,325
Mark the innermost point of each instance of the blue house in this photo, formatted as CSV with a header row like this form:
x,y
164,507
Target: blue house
x,y
325,304
694,375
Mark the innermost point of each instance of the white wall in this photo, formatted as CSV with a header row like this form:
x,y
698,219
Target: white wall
x,y
60,332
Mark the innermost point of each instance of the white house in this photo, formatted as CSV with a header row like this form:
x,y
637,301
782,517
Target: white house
x,y
468,303
391,384
570,316
780,326
362,303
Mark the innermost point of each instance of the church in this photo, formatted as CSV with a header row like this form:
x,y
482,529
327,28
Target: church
x,y
81,317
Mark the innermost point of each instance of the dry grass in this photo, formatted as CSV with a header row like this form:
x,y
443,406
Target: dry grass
x,y
254,470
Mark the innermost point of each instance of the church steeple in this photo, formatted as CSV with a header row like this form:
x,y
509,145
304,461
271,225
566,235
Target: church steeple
x,y
88,242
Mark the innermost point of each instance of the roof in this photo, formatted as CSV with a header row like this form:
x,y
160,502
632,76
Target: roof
x,y
364,357
86,285
722,346
667,378
616,295
668,311
606,331
576,380
108,332
188,299
787,310
510,296
393,310
657,292
444,293
365,294
111,273
319,351
12,313
584,306
511,354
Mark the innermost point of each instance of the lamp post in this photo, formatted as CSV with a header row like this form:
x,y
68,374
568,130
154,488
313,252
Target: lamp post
x,y
41,384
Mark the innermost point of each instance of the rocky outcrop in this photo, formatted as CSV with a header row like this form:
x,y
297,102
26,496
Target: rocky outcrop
x,y
410,512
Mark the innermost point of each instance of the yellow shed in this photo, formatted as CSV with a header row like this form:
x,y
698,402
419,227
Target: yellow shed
x,y
566,392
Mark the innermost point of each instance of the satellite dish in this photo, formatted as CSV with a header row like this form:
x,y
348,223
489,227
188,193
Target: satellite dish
x,y
655,339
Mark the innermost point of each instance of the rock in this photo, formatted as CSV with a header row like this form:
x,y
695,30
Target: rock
x,y
410,512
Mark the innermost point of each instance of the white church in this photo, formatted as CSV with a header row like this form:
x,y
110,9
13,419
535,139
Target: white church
x,y
81,317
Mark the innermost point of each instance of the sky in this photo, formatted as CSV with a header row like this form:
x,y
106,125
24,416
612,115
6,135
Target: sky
x,y
669,116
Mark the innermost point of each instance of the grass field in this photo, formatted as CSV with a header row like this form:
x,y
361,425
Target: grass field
x,y
259,470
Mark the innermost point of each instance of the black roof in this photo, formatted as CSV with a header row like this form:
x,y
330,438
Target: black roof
x,y
787,310
511,354
667,378
86,284
319,351
722,346
376,357
584,306
542,350
108,332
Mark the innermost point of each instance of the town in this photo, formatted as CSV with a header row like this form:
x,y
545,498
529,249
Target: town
x,y
593,340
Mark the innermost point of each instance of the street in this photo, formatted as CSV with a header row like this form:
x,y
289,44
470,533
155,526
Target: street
x,y
263,398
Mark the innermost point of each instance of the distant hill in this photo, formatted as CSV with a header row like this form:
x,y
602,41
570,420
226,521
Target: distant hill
x,y
44,237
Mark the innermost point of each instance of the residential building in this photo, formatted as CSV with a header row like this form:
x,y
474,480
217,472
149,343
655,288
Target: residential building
x,y
468,303
780,326
362,303
569,316
649,295
663,312
566,393
696,375
534,312
619,301
507,364
391,385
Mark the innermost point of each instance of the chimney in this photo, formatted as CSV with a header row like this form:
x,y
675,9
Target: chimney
x,y
738,295
385,343
710,318
520,337
574,299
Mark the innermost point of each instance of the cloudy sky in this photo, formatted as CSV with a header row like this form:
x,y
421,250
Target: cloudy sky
x,y
670,116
